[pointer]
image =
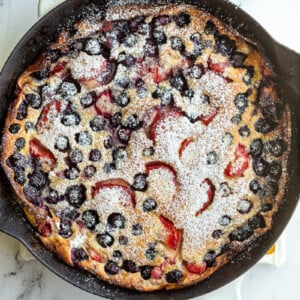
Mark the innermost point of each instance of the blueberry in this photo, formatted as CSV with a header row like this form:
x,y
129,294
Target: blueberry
x,y
119,154
111,268
108,142
92,46
150,253
123,135
159,36
255,186
62,143
88,100
249,74
224,45
123,82
116,221
241,102
68,214
122,100
109,73
75,156
147,152
115,119
19,176
196,38
146,272
173,276
70,118
90,218
210,258
256,222
244,131
117,255
256,147
123,240
16,160
105,240
108,168
165,95
89,171
270,189
78,255
68,88
276,147
65,229
98,123
76,195
178,81
240,234
196,71
149,204
34,100
236,119
244,206
224,221
41,74
53,55
266,207
136,229
130,266
95,155
20,143
275,170
160,20
139,182
270,110
83,138
52,197
210,28
150,48
217,234
38,179
225,190
130,40
127,60
263,125
32,194
28,126
211,158
260,167
182,19
144,29
22,111
237,59
14,128
72,173
132,122
188,93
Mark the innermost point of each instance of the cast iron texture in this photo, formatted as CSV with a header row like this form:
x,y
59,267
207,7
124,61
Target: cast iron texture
x,y
286,65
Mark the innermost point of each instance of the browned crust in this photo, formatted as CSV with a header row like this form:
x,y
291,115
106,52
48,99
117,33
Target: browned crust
x,y
61,246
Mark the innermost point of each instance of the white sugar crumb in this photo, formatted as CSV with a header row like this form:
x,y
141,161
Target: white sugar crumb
x,y
78,240
87,66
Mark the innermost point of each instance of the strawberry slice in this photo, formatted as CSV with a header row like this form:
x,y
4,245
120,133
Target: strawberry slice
x,y
173,235
59,67
41,153
184,144
156,273
207,119
159,118
104,104
217,67
210,192
95,256
240,164
49,113
107,26
154,165
195,268
45,229
116,183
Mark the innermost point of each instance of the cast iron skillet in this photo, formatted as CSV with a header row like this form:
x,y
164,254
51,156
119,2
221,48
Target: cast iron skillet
x,y
286,65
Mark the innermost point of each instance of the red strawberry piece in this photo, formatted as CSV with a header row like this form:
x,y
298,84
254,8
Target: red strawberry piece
x,y
159,118
41,153
59,67
173,235
240,164
184,144
45,229
154,165
95,256
210,192
217,67
49,113
113,183
207,119
195,268
156,273
104,104
107,26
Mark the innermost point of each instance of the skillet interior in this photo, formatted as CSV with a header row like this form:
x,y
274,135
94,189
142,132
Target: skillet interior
x,y
287,67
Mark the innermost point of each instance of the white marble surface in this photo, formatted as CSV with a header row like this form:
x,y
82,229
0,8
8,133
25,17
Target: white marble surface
x,y
28,280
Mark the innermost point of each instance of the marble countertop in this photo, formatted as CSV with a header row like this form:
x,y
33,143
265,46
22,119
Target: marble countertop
x,y
23,278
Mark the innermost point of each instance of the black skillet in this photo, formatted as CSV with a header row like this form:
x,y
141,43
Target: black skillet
x,y
286,65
